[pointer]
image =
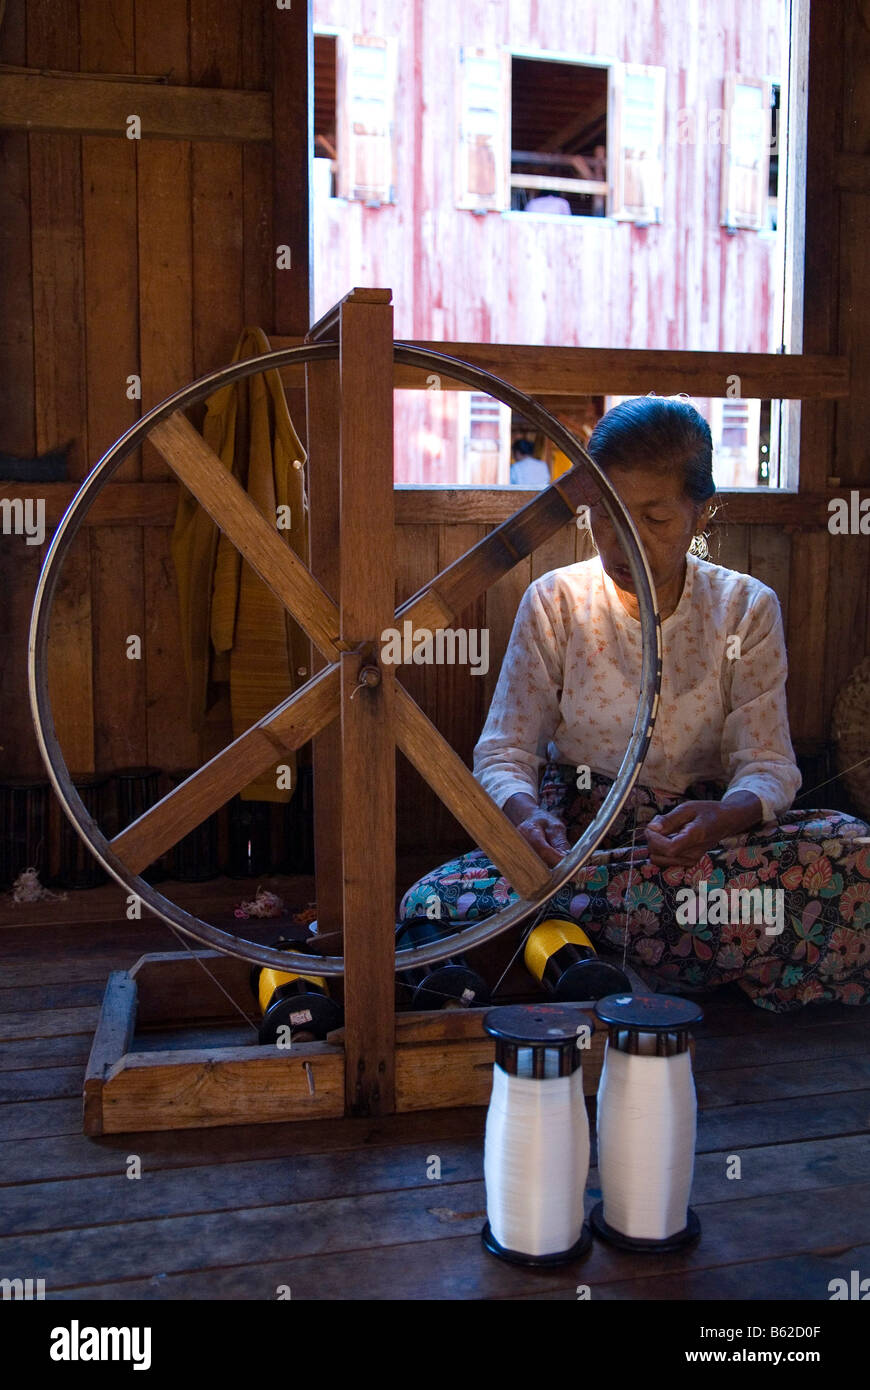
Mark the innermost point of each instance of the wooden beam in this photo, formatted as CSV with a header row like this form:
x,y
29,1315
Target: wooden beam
x,y
516,538
288,727
571,371
322,395
555,183
292,40
456,787
578,126
432,506
243,523
368,760
155,504
852,173
173,988
440,1075
199,1088
100,106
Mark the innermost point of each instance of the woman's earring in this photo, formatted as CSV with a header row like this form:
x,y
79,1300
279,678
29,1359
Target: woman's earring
x,y
699,547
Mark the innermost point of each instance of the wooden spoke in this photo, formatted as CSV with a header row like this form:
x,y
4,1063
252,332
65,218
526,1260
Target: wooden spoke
x,y
462,582
451,780
288,726
227,503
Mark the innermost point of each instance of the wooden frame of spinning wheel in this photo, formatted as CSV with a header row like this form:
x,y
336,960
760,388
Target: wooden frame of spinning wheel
x,y
379,1062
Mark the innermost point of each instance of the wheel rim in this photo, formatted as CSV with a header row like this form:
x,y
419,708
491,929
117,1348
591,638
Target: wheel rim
x,y
475,933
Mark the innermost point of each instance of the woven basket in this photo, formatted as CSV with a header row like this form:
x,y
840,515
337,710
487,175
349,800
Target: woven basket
x,y
851,731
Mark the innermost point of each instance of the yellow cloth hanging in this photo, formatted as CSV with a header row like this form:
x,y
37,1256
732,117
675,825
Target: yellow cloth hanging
x,y
233,627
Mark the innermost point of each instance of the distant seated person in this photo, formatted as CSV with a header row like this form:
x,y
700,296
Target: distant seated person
x,y
549,202
527,470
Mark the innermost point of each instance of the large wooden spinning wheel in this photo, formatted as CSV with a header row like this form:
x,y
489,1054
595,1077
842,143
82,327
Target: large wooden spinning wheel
x,y
349,362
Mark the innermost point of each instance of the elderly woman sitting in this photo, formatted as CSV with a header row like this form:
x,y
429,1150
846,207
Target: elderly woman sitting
x,y
713,809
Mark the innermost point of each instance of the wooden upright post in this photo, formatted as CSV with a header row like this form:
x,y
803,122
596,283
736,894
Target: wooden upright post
x,y
322,389
368,755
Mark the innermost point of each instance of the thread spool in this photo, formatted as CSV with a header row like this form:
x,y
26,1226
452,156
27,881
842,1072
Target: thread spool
x,y
646,1123
563,959
290,1000
536,1153
451,984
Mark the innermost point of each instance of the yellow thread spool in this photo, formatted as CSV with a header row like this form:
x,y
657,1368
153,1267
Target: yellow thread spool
x,y
270,980
298,1002
563,959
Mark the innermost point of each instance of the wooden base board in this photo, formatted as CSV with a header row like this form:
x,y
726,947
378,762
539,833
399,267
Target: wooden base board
x,y
444,1059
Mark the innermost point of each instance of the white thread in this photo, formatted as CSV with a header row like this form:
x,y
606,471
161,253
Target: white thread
x,y
536,1157
646,1139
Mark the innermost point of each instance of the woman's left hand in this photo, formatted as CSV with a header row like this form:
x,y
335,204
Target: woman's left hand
x,y
685,834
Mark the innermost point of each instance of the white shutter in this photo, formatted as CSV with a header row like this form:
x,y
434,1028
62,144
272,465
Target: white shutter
x,y
736,427
484,440
366,82
636,136
746,153
483,159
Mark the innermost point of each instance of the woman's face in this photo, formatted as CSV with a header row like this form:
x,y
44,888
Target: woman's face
x,y
666,521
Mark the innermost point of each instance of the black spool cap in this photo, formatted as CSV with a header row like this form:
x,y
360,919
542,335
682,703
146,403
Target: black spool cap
x,y
534,1025
580,1248
420,931
649,1013
590,979
690,1233
452,979
324,1013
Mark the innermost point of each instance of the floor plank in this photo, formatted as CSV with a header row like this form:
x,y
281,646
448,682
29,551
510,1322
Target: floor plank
x,y
47,1205
405,1246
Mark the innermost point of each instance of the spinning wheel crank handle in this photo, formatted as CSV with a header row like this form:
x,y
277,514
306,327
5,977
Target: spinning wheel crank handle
x,y
298,1002
451,984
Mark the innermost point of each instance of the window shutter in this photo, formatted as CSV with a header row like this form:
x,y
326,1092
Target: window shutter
x,y
637,137
746,153
366,118
483,163
736,427
485,437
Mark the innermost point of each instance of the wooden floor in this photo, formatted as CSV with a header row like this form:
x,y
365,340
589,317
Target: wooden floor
x,y
344,1209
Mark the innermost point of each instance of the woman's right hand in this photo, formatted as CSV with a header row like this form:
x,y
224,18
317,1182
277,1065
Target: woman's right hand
x,y
544,832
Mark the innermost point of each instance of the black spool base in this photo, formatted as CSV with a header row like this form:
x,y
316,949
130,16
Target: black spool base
x,y
516,1257
690,1233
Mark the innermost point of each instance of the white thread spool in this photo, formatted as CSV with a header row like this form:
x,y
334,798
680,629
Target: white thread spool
x,y
646,1123
536,1156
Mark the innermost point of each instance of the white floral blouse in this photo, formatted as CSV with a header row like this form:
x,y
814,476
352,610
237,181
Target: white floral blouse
x,y
570,680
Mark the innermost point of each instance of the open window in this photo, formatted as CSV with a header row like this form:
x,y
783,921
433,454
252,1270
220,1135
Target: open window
x,y
551,135
558,137
325,114
746,153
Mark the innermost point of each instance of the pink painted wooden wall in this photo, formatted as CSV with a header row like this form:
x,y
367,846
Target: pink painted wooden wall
x,y
584,281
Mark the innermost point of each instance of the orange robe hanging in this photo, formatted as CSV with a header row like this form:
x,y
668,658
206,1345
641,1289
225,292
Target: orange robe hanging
x,y
233,627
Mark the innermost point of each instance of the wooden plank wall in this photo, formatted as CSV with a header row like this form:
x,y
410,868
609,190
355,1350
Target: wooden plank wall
x,y
121,258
